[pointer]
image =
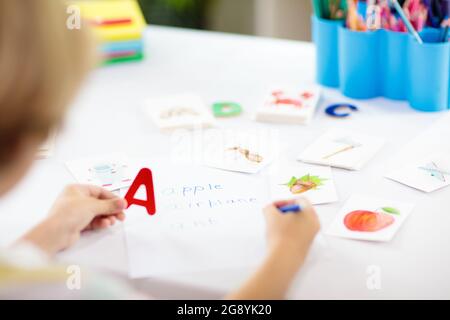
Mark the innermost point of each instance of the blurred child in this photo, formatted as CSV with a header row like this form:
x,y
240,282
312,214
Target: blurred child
x,y
42,64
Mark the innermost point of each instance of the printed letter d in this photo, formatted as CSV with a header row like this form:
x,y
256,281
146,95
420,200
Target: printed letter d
x,y
145,178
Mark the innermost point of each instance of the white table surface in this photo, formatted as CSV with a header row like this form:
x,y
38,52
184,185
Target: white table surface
x,y
107,117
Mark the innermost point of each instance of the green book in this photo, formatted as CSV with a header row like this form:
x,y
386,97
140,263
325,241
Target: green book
x,y
137,57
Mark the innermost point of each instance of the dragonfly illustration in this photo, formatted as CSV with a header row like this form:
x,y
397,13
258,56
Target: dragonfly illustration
x,y
348,143
435,171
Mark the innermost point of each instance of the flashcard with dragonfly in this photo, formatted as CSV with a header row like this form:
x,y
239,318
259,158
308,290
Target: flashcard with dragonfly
x,y
294,106
343,149
428,175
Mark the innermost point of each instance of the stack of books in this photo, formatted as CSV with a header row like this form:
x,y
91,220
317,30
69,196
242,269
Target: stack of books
x,y
118,25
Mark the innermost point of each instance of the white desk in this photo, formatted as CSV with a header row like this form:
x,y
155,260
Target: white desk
x,y
107,117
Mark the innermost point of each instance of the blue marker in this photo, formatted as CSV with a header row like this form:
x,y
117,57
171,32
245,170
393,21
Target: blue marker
x,y
294,208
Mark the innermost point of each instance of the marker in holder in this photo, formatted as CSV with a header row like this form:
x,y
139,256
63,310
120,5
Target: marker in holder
x,y
384,63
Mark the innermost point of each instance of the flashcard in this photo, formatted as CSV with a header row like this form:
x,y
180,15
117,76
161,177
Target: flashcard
x,y
310,181
111,172
429,174
295,106
240,152
367,218
183,111
343,149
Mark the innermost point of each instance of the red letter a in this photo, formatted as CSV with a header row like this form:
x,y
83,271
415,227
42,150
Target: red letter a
x,y
145,178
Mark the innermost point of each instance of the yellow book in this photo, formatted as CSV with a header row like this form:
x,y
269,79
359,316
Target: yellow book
x,y
113,20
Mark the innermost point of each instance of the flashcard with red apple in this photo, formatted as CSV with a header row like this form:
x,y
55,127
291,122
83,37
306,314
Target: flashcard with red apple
x,y
342,148
428,174
367,218
186,111
290,105
111,172
290,181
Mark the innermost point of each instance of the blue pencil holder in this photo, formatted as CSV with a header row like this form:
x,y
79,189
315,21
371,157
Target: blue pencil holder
x,y
394,64
359,64
429,65
366,65
325,36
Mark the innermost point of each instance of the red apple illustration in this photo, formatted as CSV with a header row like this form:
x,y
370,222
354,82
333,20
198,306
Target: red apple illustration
x,y
370,221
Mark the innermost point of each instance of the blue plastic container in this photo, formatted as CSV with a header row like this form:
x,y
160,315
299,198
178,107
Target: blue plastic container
x,y
359,64
394,64
325,36
366,65
429,65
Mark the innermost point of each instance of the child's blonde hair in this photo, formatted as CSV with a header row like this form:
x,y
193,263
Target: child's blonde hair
x,y
42,64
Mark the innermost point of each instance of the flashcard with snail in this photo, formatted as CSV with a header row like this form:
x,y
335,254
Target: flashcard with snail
x,y
186,111
295,180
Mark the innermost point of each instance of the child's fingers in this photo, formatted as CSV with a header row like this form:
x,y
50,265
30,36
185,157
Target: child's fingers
x,y
112,220
97,192
107,207
282,203
120,216
99,223
303,202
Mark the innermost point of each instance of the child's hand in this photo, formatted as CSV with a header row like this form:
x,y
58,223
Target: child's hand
x,y
291,231
78,208
289,237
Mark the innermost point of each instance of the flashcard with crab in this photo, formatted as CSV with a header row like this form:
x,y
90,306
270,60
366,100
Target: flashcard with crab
x,y
429,174
368,218
342,148
186,111
242,153
111,172
313,182
295,106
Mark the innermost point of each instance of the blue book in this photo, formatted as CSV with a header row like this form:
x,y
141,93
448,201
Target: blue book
x,y
122,46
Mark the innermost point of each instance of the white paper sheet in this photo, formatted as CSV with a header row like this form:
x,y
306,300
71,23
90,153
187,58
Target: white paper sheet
x,y
206,219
